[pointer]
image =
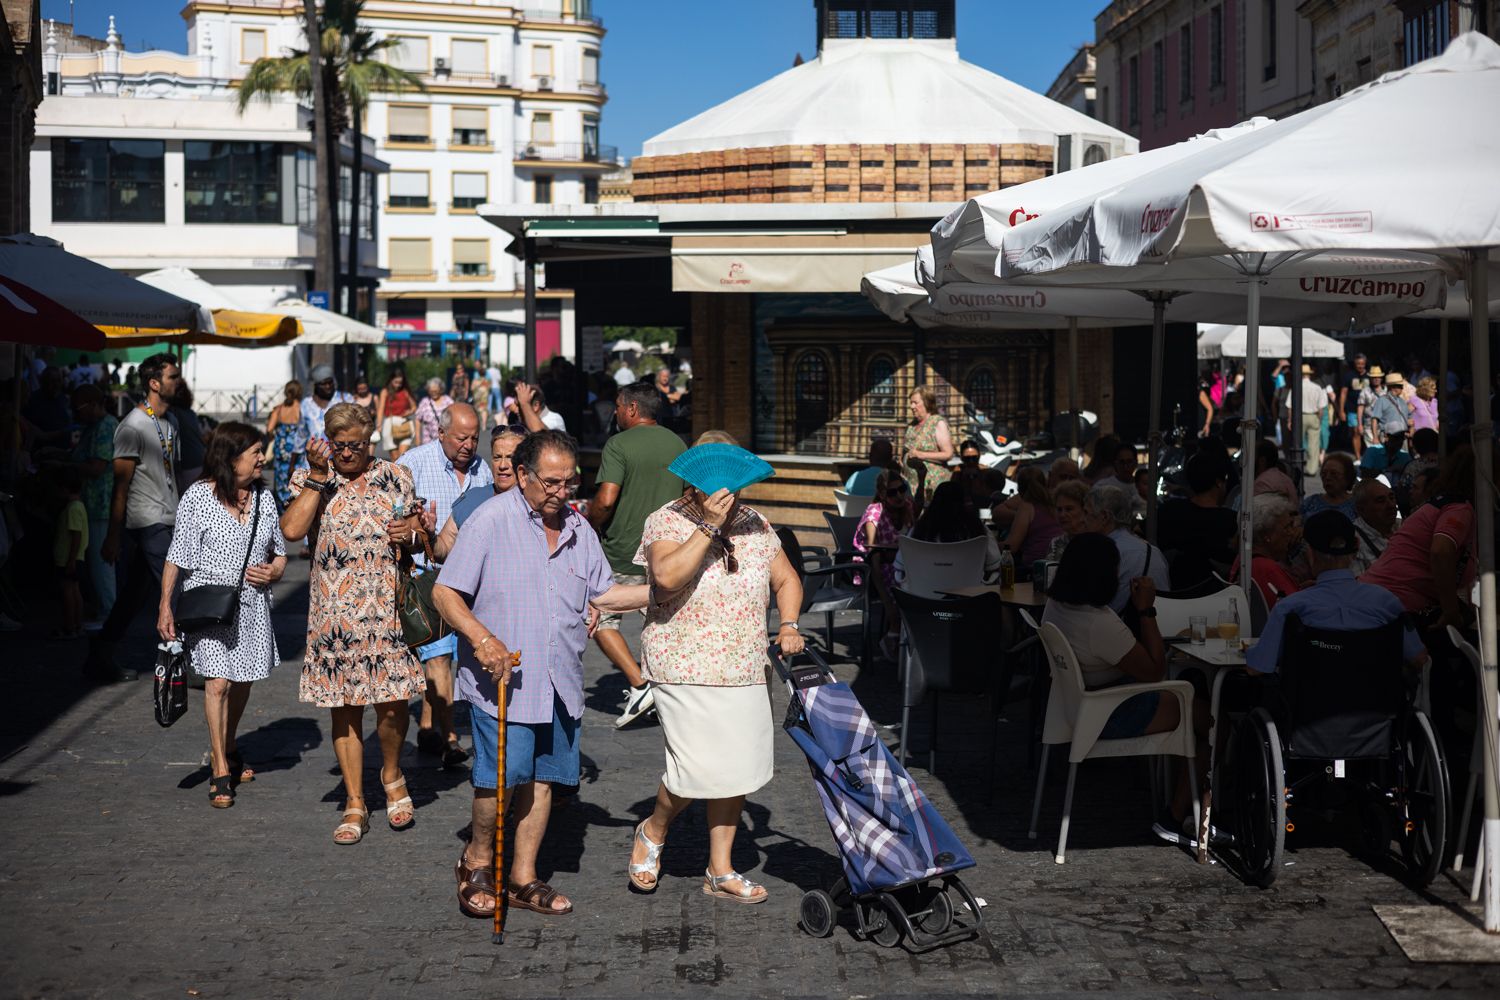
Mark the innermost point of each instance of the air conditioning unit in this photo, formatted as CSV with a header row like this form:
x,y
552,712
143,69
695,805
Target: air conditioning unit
x,y
544,83
531,153
440,65
501,80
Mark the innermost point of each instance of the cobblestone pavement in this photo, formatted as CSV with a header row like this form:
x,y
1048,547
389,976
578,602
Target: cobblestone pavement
x,y
120,881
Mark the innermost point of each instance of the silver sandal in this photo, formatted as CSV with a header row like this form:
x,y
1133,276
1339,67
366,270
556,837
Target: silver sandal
x,y
651,866
713,885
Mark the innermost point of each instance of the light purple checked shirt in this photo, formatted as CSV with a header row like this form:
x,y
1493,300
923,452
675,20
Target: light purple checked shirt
x,y
436,479
533,601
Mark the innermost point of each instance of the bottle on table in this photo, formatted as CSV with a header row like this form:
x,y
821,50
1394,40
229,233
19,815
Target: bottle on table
x,y
1007,570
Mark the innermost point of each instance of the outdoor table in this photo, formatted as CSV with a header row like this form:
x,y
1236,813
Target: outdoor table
x,y
1022,595
1214,652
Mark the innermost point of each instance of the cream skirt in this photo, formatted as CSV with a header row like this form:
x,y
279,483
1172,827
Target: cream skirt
x,y
718,739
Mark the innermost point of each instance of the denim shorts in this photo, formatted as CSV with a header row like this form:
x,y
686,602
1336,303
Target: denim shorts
x,y
546,751
446,646
1130,717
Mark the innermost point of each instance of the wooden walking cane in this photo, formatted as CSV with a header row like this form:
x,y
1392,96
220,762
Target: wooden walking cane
x,y
498,937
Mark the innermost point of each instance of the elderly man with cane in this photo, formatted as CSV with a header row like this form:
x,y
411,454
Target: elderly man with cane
x,y
520,580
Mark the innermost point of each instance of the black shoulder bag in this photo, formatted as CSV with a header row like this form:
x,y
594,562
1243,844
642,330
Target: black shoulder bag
x,y
217,604
1130,615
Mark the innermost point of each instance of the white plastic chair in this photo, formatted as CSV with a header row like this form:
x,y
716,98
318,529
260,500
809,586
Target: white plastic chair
x,y
851,504
1476,762
1076,715
933,567
1172,613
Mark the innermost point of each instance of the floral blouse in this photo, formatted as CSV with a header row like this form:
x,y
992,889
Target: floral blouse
x,y
712,631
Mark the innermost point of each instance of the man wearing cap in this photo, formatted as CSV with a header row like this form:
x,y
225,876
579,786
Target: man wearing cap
x,y
325,393
1314,398
1336,601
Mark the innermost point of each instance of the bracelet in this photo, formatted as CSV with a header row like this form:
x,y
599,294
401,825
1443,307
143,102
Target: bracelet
x,y
708,532
792,625
482,642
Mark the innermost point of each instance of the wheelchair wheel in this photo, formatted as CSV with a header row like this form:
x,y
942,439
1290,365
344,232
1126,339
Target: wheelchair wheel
x,y
1259,780
1424,800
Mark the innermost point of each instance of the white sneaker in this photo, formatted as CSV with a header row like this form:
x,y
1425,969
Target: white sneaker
x,y
638,702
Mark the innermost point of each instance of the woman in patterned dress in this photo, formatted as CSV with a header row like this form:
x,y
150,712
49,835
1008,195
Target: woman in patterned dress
x,y
288,436
219,518
354,517
928,446
429,410
712,565
880,528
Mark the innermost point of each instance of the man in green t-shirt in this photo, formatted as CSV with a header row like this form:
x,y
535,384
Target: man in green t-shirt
x,y
633,483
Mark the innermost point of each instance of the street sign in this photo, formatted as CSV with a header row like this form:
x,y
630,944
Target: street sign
x,y
319,299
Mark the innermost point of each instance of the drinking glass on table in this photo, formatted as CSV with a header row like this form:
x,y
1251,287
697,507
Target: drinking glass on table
x,y
1198,629
1229,627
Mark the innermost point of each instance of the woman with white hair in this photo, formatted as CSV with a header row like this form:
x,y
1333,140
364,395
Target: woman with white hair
x,y
1278,528
1110,510
430,410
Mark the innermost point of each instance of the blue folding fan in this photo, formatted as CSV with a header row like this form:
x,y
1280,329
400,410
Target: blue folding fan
x,y
720,466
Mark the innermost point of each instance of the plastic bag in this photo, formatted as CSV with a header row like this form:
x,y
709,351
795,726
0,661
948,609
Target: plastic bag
x,y
169,686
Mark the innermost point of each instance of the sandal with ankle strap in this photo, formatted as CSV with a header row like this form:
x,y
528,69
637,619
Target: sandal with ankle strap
x,y
221,791
400,807
713,885
651,866
357,829
237,769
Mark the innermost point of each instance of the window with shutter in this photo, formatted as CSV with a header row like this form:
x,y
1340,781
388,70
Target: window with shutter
x,y
541,128
471,126
541,60
252,44
470,190
412,54
410,257
471,258
471,57
590,74
409,189
408,124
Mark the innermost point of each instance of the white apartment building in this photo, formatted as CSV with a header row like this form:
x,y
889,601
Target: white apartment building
x,y
142,161
509,113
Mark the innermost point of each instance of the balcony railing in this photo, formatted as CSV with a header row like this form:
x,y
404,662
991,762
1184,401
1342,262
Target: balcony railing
x,y
556,17
569,152
470,137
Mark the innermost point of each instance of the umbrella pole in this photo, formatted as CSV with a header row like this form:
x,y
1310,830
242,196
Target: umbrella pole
x,y
498,937
1249,428
1073,406
1299,452
1484,521
1153,437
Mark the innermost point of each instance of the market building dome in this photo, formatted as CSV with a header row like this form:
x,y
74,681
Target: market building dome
x,y
872,118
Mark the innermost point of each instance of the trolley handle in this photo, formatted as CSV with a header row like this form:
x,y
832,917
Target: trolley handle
x,y
787,672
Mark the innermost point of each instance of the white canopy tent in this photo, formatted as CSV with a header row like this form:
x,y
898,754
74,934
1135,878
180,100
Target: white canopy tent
x,y
322,326
1223,341
1406,162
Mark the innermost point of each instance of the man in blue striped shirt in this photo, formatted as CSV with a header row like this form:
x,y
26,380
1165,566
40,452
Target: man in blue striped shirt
x,y
443,470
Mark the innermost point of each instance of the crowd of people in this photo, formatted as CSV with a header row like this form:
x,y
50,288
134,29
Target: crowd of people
x,y
476,480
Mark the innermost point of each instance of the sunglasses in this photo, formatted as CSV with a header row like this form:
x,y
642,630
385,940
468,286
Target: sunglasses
x,y
346,447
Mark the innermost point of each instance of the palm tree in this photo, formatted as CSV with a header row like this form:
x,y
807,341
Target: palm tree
x,y
349,63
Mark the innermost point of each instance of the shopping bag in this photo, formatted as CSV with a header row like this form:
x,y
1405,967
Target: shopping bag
x,y
169,688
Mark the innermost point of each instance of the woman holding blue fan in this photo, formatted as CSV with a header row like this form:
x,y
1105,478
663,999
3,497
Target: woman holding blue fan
x,y
713,565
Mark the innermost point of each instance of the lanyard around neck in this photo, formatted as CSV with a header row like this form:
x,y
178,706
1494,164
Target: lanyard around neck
x,y
166,445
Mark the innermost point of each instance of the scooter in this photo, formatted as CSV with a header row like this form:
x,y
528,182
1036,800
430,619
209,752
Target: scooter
x,y
997,448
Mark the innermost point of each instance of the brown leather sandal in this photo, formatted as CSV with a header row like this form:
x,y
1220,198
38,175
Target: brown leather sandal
x,y
474,884
538,897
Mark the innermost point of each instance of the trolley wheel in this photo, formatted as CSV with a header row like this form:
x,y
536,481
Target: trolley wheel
x,y
939,912
817,913
1259,797
1424,800
888,935
870,918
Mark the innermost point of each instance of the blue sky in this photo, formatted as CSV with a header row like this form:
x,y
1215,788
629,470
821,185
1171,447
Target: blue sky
x,y
666,60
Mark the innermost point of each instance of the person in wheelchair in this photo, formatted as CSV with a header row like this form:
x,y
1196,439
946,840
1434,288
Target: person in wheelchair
x,y
1336,600
1331,692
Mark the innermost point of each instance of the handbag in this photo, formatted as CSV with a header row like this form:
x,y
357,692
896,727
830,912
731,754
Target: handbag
x,y
216,604
420,622
169,688
400,429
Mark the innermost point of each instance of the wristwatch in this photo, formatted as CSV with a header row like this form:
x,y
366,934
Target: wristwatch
x,y
792,625
1147,613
